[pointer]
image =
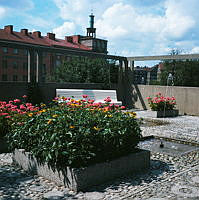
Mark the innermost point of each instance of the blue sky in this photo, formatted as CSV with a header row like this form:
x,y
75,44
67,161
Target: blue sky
x,y
132,27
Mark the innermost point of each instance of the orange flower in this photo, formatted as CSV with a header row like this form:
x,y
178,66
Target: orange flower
x,y
50,121
30,114
96,128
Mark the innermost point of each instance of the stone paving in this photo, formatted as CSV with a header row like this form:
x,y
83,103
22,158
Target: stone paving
x,y
169,177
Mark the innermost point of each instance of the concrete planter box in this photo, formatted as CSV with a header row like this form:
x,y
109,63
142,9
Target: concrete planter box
x,y
83,178
166,113
3,145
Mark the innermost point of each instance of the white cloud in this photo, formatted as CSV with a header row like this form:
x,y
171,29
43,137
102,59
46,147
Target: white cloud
x,y
67,28
2,12
137,28
195,50
76,10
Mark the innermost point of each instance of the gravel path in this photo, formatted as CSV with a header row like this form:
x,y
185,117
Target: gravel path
x,y
169,177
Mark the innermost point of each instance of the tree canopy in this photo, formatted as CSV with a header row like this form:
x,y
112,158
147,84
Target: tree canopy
x,y
86,70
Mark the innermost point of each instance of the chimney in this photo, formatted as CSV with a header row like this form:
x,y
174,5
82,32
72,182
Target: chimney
x,y
24,31
51,36
37,34
69,39
76,38
9,29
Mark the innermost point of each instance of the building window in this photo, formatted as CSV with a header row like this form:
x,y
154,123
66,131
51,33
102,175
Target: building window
x,y
25,78
4,77
15,66
15,51
5,50
15,77
4,64
26,52
58,62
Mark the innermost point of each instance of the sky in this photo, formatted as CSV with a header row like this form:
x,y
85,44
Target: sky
x,y
132,27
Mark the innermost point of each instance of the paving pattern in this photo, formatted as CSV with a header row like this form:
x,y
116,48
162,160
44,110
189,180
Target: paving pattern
x,y
169,177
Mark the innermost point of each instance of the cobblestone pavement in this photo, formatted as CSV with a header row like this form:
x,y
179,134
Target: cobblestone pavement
x,y
181,127
169,177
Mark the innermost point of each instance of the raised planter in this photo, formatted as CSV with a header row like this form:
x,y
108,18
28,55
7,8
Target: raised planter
x,y
166,113
82,178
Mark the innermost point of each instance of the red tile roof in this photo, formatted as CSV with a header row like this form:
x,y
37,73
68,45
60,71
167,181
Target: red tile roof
x,y
32,38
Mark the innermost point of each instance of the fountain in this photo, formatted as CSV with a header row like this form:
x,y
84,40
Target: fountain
x,y
167,146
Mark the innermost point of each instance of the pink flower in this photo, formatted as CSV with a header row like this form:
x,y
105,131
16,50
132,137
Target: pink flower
x,y
24,96
84,96
17,101
22,107
8,116
3,114
107,99
28,104
122,107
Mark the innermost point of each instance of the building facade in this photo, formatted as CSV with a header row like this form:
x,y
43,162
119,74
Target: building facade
x,y
145,75
15,62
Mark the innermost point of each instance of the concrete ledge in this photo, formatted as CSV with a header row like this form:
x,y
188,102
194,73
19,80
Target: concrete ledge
x,y
166,113
82,178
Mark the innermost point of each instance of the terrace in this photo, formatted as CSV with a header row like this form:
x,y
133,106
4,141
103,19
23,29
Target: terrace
x,y
170,176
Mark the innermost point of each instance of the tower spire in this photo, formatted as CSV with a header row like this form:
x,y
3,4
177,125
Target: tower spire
x,y
91,31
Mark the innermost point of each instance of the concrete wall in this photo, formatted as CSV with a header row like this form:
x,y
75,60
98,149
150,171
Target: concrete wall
x,y
187,98
47,91
12,90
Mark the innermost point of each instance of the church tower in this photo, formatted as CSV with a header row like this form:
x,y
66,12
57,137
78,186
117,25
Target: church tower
x,y
91,31
95,44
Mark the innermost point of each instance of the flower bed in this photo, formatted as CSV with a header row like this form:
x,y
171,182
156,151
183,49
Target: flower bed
x,y
80,179
8,110
162,106
161,103
75,133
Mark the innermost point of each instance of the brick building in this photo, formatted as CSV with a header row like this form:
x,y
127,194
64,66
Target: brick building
x,y
15,62
145,75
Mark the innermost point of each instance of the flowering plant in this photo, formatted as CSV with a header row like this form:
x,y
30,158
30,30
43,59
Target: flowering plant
x,y
11,109
161,103
76,133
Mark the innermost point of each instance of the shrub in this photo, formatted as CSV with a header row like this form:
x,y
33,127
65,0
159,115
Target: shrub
x,y
76,133
161,103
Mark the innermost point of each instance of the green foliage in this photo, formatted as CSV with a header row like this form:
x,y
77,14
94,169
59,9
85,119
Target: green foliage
x,y
185,73
75,135
85,70
4,126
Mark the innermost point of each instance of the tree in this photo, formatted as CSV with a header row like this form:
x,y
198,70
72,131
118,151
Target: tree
x,y
85,70
185,73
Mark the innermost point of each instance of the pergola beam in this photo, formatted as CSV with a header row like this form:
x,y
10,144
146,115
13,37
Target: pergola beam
x,y
164,57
